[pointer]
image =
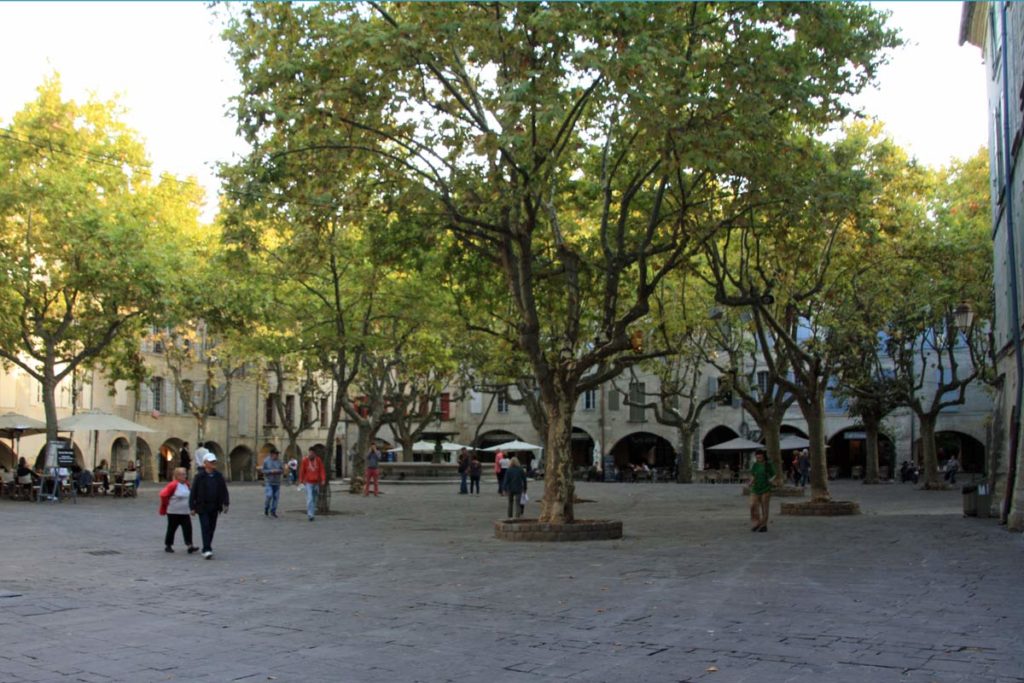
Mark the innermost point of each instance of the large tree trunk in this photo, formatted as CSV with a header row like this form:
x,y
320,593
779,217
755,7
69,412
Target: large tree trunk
x,y
559,488
929,460
684,459
50,409
814,413
358,474
871,427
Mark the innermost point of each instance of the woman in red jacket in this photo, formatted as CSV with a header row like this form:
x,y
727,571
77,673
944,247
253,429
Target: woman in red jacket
x,y
174,504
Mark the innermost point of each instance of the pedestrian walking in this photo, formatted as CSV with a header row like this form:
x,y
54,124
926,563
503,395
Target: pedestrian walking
x,y
463,472
761,474
208,499
503,464
497,470
952,467
312,475
474,475
372,471
293,470
174,504
805,467
272,471
515,488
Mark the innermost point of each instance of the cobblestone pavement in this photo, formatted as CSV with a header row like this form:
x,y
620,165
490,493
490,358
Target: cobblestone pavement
x,y
412,586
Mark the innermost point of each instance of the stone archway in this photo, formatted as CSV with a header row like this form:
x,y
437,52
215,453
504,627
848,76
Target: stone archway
x,y
633,451
120,454
147,459
242,464
168,458
40,461
714,460
969,450
7,457
582,446
847,454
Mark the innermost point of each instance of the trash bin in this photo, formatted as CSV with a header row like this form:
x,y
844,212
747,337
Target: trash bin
x,y
984,500
970,492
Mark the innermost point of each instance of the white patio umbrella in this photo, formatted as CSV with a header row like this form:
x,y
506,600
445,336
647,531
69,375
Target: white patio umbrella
x,y
738,444
98,421
429,446
14,426
513,446
792,442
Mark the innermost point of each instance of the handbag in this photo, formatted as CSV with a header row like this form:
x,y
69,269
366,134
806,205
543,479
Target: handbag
x,y
523,498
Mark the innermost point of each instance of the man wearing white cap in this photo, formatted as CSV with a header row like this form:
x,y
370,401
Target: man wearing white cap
x,y
208,499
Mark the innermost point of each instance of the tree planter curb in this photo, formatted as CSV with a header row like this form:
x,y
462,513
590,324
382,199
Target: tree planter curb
x,y
580,530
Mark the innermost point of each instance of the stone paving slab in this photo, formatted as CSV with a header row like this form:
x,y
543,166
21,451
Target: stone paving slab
x,y
413,586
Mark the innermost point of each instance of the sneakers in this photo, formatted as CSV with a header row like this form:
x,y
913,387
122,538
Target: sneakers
x,y
192,549
266,512
274,515
168,549
208,554
311,518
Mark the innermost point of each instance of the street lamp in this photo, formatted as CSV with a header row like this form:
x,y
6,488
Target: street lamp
x,y
963,315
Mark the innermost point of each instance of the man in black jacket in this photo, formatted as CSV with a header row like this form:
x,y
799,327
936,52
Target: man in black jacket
x,y
209,497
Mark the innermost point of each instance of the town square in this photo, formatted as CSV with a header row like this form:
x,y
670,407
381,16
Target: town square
x,y
587,341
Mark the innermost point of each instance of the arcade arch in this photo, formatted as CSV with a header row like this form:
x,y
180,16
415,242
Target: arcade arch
x,y
847,454
242,464
714,460
643,448
970,451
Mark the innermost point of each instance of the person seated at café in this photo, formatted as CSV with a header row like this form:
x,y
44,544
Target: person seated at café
x,y
25,471
84,481
102,475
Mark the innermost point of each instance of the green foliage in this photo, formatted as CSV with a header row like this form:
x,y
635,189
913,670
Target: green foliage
x,y
91,249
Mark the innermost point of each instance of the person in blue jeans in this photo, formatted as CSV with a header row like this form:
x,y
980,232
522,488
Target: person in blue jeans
x,y
312,475
272,471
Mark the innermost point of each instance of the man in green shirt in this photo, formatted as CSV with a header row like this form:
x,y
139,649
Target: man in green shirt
x,y
762,474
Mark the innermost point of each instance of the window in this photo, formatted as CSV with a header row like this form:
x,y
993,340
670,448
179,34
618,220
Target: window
x,y
762,382
156,389
325,419
289,409
590,399
637,395
446,406
269,413
476,402
613,399
503,402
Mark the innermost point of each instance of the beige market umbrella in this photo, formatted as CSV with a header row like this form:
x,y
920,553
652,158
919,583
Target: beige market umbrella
x,y
13,426
98,421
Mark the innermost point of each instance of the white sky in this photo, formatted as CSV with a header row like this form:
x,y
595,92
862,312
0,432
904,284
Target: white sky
x,y
172,73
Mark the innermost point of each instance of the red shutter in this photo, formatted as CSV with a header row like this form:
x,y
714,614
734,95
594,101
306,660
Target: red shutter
x,y
446,406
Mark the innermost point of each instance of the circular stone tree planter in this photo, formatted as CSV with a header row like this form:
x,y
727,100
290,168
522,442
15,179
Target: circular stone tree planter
x,y
580,530
822,508
781,492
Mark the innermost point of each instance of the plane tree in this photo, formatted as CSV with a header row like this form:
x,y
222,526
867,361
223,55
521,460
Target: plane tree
x,y
577,149
93,249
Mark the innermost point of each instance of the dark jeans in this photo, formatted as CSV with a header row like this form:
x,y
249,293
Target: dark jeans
x,y
175,521
501,481
208,524
462,484
514,506
474,484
